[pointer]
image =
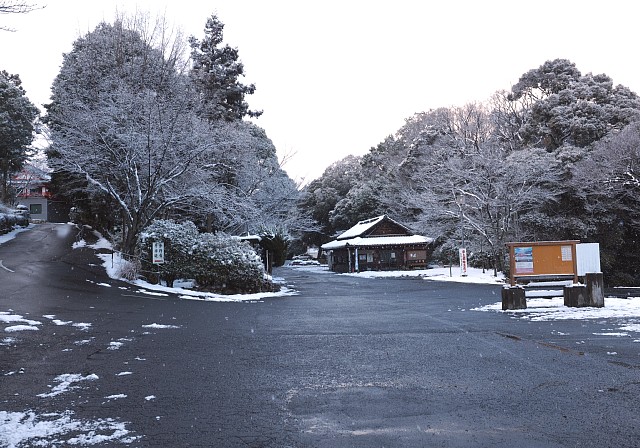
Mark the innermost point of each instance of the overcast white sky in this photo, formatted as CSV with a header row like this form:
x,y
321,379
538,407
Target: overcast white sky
x,y
336,77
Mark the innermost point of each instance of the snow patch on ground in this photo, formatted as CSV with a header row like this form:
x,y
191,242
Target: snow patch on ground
x,y
154,325
8,341
14,328
67,382
19,429
79,244
444,274
474,275
8,317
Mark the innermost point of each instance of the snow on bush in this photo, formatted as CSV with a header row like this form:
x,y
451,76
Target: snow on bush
x,y
223,263
179,242
217,262
10,218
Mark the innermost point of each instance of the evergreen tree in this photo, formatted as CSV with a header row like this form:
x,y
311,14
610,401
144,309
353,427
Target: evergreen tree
x,y
571,109
320,197
17,118
216,71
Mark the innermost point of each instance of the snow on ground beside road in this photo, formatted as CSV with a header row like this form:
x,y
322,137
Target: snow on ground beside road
x,y
441,274
554,309
17,429
11,235
474,275
626,311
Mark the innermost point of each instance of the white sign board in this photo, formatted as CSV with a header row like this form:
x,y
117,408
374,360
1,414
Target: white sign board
x,y
157,255
588,258
463,261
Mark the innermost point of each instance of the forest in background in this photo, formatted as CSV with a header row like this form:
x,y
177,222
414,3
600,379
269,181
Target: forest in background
x,y
553,158
145,124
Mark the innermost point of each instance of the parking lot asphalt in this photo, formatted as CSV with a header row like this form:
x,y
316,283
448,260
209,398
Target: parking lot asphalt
x,y
347,362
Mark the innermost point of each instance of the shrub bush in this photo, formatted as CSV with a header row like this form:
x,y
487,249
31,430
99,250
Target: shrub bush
x,y
179,241
9,218
217,262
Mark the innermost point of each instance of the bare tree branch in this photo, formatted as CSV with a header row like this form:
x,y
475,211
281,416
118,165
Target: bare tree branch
x,y
16,7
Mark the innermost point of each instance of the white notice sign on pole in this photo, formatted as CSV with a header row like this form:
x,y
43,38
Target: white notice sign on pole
x,y
463,262
158,252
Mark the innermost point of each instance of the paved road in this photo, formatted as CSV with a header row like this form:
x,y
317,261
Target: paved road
x,y
348,362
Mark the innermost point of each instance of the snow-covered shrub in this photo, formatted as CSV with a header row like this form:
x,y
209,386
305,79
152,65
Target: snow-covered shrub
x,y
9,218
217,262
223,263
179,242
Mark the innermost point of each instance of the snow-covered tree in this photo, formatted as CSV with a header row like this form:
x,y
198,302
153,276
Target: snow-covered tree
x,y
216,74
321,195
363,201
245,186
130,142
122,117
607,183
17,125
568,108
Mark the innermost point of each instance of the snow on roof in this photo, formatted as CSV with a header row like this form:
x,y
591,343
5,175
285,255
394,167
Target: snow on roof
x,y
250,237
377,241
361,227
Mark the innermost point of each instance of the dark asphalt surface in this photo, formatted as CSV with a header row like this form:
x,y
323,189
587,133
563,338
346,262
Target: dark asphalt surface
x,y
348,362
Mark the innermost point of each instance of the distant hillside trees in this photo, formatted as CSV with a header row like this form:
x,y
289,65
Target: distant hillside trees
x,y
321,196
553,158
608,184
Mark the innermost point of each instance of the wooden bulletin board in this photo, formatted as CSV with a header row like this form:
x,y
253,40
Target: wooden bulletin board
x,y
543,259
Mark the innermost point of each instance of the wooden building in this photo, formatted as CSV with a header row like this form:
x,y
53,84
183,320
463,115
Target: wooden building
x,y
378,244
31,185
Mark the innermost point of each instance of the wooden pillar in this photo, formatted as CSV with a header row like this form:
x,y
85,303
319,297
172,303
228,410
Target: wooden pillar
x,y
595,289
513,298
575,296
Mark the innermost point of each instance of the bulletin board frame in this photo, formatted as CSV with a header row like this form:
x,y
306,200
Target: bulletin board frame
x,y
540,260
